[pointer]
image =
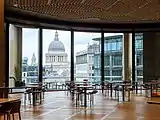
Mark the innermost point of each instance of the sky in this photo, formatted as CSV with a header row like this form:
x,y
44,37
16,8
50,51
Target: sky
x,y
30,41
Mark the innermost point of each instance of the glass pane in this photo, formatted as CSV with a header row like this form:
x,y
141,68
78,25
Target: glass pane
x,y
113,56
87,56
139,56
56,57
30,55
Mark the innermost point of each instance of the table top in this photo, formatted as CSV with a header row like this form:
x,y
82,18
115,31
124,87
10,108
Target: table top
x,y
33,83
111,82
125,84
81,86
6,100
33,86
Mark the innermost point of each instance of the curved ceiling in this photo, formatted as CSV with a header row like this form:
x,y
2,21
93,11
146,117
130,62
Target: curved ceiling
x,y
91,11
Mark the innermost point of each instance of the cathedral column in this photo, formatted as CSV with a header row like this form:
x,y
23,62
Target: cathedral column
x,y
56,58
15,52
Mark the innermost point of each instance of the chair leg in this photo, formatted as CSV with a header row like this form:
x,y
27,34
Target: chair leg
x,y
115,94
92,99
128,95
81,99
77,100
19,115
29,97
5,117
40,98
43,95
8,116
13,116
24,99
118,96
141,90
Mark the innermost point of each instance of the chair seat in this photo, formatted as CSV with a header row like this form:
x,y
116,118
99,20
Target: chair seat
x,y
93,92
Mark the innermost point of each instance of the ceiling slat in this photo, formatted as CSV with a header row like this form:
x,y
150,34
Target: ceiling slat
x,y
98,10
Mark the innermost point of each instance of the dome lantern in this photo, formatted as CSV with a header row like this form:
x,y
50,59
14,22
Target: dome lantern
x,y
56,45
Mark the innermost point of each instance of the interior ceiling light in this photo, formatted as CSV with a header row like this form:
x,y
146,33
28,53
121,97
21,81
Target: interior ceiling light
x,y
49,2
92,19
83,1
15,5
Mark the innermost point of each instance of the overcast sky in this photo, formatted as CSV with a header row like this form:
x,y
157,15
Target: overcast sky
x,y
30,41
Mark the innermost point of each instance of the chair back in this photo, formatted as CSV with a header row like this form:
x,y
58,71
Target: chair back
x,y
15,106
3,92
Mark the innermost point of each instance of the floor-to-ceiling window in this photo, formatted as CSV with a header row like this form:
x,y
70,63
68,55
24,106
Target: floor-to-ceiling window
x,y
56,56
29,55
113,56
87,56
139,57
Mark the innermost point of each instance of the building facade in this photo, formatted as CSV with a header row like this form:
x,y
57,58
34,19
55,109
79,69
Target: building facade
x,y
113,58
57,66
29,71
55,69
85,64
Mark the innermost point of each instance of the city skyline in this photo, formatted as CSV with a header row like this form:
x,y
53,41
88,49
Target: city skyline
x,y
30,41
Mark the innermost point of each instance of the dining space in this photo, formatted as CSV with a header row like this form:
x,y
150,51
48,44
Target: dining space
x,y
9,106
58,105
34,93
82,93
82,100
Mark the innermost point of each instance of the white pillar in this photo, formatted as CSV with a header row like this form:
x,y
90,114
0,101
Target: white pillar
x,y
127,56
15,51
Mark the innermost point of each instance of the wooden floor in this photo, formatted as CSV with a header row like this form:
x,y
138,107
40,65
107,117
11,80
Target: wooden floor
x,y
154,100
59,106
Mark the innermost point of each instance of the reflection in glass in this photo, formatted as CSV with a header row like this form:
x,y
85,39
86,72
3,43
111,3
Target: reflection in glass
x,y
113,57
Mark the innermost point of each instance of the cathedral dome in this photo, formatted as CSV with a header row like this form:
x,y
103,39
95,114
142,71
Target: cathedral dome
x,y
56,45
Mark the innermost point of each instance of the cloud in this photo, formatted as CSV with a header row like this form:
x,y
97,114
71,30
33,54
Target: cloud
x,y
81,41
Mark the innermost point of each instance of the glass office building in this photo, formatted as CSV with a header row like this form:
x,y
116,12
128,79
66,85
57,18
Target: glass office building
x,y
113,58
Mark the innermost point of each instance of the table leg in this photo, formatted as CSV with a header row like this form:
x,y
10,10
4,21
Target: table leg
x,y
111,90
123,93
33,98
136,88
85,97
151,90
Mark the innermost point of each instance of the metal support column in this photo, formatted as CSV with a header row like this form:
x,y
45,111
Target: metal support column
x,y
133,62
102,61
40,55
72,55
7,54
133,56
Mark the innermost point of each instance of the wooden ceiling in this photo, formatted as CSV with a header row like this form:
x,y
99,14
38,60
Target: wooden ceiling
x,y
93,10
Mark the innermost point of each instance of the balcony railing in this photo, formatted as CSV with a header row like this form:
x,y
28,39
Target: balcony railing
x,y
59,83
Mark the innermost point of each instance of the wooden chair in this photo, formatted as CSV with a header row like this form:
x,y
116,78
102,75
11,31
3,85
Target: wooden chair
x,y
3,92
5,109
15,109
27,92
